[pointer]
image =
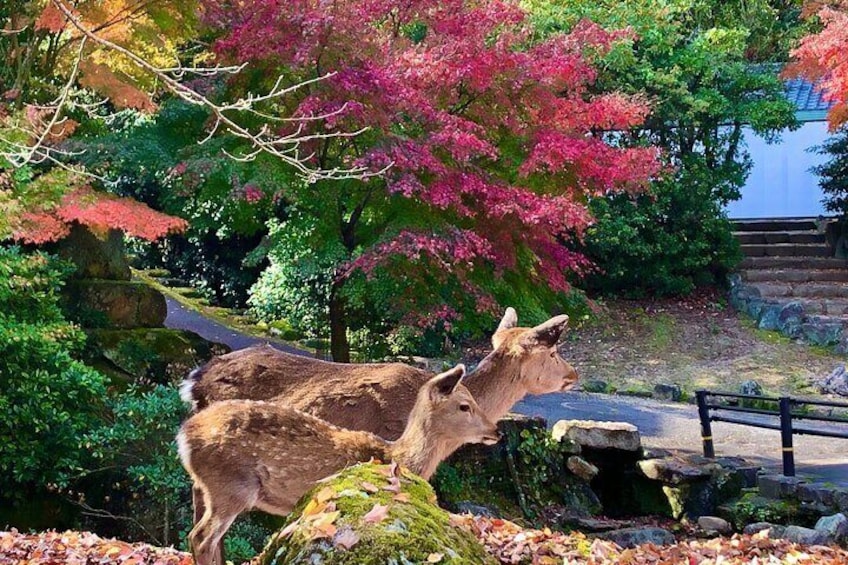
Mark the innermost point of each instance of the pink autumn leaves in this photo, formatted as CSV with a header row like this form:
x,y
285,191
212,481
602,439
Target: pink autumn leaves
x,y
500,137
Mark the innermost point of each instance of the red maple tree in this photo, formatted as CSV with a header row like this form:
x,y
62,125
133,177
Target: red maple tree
x,y
497,137
822,57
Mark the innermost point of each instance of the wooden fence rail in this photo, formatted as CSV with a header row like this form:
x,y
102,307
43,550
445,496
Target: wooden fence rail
x,y
786,410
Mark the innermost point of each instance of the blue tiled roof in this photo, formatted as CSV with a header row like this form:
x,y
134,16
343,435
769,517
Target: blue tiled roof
x,y
806,96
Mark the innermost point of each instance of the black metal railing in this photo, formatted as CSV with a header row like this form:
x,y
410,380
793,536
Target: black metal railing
x,y
786,410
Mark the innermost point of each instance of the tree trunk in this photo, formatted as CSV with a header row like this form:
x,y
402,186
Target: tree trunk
x,y
339,346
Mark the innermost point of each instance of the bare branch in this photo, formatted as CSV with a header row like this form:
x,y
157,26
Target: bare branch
x,y
282,146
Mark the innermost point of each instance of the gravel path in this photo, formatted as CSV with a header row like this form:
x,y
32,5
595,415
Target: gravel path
x,y
666,425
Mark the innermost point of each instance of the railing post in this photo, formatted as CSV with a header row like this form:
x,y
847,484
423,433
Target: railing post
x,y
786,436
706,428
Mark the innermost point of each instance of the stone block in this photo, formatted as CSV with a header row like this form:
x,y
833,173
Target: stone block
x,y
775,530
95,257
835,527
115,304
669,392
715,524
805,536
778,486
599,435
672,471
581,468
632,537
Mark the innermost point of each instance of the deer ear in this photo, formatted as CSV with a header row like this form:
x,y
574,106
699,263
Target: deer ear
x,y
510,320
445,383
547,333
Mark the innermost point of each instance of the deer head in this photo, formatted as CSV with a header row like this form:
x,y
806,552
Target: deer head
x,y
541,369
445,416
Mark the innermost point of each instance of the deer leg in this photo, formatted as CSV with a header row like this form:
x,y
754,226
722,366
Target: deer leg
x,y
206,536
199,507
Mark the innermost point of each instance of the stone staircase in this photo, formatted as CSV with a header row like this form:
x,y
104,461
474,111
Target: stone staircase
x,y
790,281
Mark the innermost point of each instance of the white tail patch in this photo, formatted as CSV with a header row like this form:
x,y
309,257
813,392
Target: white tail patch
x,y
187,389
183,449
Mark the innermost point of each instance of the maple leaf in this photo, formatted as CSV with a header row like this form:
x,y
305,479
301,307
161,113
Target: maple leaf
x,y
346,538
369,487
377,514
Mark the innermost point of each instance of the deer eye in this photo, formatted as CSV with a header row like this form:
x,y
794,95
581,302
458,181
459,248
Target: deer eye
x,y
465,407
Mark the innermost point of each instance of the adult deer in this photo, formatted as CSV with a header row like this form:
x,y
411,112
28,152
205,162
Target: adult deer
x,y
246,454
377,397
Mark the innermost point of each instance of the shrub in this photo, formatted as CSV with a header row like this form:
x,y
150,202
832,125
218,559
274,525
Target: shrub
x,y
47,398
833,180
664,243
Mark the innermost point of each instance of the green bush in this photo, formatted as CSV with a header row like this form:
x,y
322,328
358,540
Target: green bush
x,y
47,398
833,180
664,243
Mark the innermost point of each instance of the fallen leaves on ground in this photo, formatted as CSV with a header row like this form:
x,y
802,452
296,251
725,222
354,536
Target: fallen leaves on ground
x,y
507,541
512,544
82,548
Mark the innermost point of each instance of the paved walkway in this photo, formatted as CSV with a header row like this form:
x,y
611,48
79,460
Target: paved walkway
x,y
182,318
666,425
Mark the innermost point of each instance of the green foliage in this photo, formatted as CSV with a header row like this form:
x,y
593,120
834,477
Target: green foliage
x,y
134,450
665,243
226,203
834,173
47,398
707,68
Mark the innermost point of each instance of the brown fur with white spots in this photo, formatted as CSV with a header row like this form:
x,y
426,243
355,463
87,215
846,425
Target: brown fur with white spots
x,y
377,397
244,454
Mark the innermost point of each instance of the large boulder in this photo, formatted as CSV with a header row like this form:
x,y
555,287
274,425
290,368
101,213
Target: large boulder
x,y
369,514
598,435
115,304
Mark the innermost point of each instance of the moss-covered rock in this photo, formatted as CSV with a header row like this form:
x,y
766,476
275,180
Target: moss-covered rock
x,y
372,514
95,257
149,355
115,304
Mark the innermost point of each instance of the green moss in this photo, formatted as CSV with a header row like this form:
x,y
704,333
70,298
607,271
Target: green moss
x,y
752,507
412,530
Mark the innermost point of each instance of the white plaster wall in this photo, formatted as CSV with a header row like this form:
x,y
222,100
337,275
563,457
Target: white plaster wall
x,y
780,184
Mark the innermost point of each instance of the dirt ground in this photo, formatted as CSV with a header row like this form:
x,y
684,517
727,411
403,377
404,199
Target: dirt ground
x,y
695,342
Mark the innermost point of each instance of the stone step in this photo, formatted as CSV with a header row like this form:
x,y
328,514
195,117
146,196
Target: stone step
x,y
795,275
793,263
770,290
788,224
825,307
763,237
786,249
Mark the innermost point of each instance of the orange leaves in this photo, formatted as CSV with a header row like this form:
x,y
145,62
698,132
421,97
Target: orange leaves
x,y
98,211
512,544
83,547
823,58
119,90
51,19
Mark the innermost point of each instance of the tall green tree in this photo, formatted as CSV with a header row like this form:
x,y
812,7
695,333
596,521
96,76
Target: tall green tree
x,y
708,69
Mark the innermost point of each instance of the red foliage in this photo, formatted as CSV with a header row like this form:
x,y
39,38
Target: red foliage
x,y
823,58
100,212
498,135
